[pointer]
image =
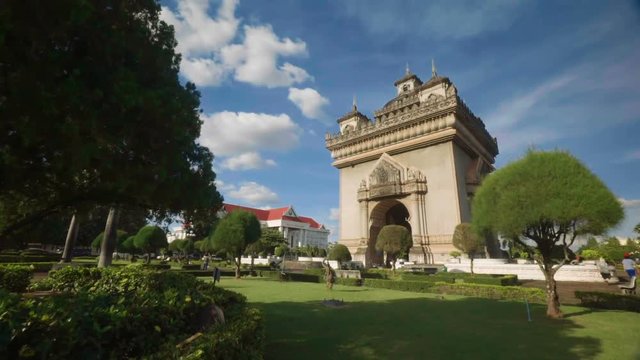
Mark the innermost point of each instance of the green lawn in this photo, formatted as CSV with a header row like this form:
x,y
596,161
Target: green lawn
x,y
388,324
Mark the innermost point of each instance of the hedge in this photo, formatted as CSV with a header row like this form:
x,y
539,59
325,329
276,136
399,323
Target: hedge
x,y
492,291
37,266
15,278
156,266
349,282
601,300
29,258
504,280
191,267
413,286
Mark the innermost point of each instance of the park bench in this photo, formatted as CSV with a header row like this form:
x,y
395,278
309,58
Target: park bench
x,y
629,288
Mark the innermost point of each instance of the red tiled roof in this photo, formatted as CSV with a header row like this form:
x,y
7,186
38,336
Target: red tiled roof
x,y
272,214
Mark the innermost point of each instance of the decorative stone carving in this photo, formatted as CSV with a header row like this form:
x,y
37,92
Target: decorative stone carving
x,y
384,174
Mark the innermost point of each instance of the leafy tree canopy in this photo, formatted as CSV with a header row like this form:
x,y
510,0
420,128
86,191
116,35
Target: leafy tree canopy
x,y
340,253
106,71
547,198
466,240
150,238
394,240
234,233
121,237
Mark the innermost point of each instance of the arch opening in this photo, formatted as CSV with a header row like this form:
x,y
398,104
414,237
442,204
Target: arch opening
x,y
387,212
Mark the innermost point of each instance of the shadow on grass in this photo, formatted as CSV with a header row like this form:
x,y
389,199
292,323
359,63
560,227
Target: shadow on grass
x,y
419,329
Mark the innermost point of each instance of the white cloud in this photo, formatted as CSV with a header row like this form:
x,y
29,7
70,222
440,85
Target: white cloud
x,y
252,193
196,32
203,71
632,156
310,102
209,54
256,60
247,161
434,19
629,203
230,134
334,214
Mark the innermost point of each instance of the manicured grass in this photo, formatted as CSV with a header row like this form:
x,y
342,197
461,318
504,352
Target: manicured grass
x,y
389,324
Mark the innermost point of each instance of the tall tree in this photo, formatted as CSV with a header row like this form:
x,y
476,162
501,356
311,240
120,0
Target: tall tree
x,y
102,70
543,200
340,253
149,239
393,240
467,241
234,233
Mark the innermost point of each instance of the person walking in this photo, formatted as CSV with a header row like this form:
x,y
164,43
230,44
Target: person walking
x,y
216,275
629,265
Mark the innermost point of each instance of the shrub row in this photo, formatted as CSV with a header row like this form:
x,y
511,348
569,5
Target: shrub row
x,y
29,258
349,282
413,286
36,266
129,312
190,267
15,278
608,301
497,292
503,280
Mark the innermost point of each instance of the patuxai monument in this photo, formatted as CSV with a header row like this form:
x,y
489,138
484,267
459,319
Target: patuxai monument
x,y
417,164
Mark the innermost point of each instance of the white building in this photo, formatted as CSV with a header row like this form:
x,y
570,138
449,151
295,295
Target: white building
x,y
298,230
417,164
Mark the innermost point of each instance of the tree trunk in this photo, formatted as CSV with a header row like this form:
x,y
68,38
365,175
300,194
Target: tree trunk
x,y
553,302
238,267
72,235
471,258
109,240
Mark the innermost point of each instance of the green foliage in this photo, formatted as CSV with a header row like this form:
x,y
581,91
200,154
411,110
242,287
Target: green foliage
x,y
121,237
348,282
600,300
394,240
590,254
339,253
550,191
93,312
516,293
413,286
548,198
15,278
234,233
242,338
610,249
269,240
466,240
280,250
150,238
128,246
455,254
104,72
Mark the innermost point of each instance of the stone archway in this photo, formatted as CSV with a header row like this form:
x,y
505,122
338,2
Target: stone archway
x,y
387,212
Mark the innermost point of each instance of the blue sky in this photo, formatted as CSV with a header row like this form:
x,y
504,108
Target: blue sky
x,y
275,75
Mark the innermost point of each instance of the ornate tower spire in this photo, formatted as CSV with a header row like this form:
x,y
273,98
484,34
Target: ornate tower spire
x,y
406,70
434,73
355,104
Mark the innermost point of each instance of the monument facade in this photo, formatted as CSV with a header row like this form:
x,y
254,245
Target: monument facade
x,y
417,164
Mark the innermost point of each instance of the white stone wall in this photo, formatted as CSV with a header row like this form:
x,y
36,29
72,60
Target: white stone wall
x,y
582,272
